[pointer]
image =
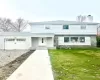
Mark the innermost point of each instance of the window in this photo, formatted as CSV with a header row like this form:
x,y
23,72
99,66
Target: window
x,y
82,39
74,39
65,26
21,39
42,40
47,27
83,26
66,39
10,39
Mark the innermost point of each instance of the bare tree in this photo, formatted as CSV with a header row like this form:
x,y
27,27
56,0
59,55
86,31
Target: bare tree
x,y
81,18
20,25
5,25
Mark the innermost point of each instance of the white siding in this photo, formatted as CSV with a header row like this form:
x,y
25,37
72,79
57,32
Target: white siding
x,y
1,42
61,42
58,29
50,42
35,42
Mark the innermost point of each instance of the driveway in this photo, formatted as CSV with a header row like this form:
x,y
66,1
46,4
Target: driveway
x,y
36,67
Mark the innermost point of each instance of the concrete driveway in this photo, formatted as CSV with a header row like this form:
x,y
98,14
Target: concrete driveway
x,y
36,67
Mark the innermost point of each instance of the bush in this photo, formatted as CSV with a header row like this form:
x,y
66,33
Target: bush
x,y
98,41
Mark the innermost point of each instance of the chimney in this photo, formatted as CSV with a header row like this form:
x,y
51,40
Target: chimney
x,y
89,18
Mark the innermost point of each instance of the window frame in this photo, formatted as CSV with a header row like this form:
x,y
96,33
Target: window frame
x,y
81,40
65,41
65,26
47,27
74,39
78,40
42,40
83,27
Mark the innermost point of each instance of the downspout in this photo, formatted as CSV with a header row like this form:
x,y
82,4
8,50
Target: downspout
x,y
4,44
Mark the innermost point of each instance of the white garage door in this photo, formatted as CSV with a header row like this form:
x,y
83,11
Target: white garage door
x,y
18,43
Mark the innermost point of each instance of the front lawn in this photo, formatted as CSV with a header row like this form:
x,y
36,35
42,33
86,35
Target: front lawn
x,y
76,64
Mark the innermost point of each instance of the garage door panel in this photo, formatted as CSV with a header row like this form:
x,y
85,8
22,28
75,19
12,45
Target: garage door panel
x,y
20,45
9,45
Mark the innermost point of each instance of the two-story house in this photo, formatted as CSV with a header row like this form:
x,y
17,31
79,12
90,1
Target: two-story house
x,y
66,33
51,34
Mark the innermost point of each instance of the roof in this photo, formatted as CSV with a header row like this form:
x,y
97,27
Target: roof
x,y
36,34
25,34
62,22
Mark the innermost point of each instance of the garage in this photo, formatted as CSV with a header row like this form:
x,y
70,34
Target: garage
x,y
15,43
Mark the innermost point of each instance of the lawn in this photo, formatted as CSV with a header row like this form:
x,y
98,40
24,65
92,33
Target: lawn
x,y
75,64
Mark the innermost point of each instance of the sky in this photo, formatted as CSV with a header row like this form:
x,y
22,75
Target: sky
x,y
48,10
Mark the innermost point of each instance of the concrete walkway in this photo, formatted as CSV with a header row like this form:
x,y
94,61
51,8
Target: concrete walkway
x,y
36,67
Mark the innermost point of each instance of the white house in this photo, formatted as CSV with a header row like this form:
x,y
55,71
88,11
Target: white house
x,y
51,34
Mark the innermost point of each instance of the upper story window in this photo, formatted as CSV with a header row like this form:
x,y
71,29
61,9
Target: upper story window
x,y
83,26
65,26
47,27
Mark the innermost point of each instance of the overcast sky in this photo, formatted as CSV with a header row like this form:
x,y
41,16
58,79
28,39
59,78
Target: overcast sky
x,y
43,10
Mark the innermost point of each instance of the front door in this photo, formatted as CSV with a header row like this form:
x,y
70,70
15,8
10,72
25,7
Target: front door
x,y
42,41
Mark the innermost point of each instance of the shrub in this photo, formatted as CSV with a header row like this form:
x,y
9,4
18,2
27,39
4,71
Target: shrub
x,y
98,41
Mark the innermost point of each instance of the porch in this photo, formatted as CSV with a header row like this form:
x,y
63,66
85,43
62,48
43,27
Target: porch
x,y
42,40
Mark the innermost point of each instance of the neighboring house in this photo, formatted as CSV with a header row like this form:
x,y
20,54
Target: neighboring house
x,y
51,34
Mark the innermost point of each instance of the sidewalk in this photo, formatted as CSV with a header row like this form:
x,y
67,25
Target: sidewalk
x,y
36,67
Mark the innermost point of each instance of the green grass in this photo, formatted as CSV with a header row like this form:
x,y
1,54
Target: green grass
x,y
76,64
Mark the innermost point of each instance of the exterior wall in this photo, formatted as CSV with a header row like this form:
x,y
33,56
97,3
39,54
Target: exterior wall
x,y
15,44
93,41
1,42
50,42
61,41
35,42
56,41
58,29
89,41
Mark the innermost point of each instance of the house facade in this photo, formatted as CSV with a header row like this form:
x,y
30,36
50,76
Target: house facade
x,y
51,34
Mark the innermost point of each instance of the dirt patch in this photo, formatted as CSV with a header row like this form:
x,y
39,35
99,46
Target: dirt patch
x,y
9,68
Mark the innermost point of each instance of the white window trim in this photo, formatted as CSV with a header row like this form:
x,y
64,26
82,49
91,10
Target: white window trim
x,y
68,41
47,26
74,42
84,27
65,29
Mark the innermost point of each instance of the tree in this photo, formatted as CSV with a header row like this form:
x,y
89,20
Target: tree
x,y
20,25
98,41
6,25
81,18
